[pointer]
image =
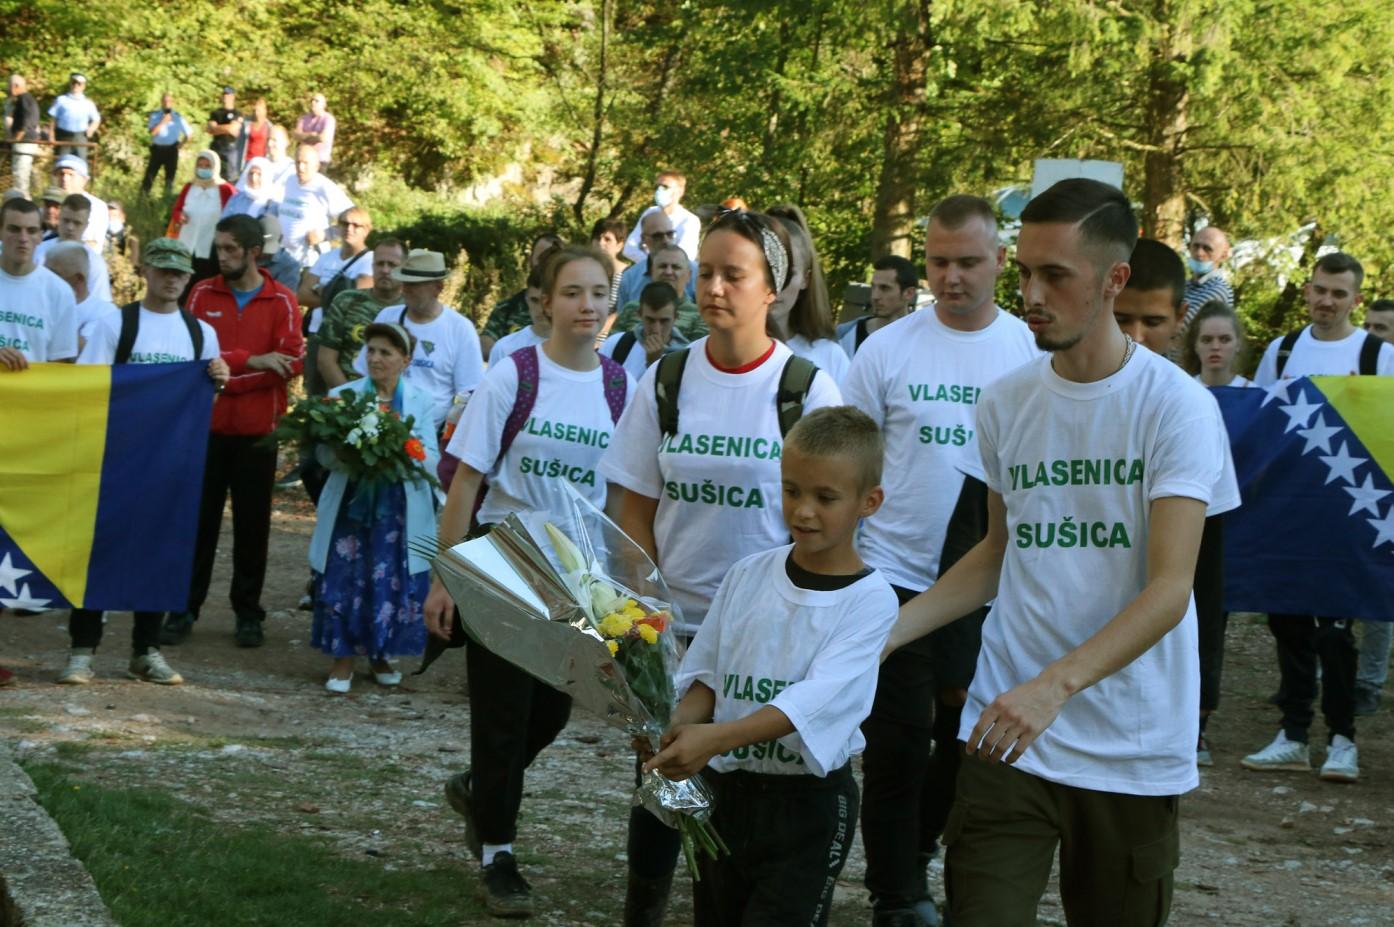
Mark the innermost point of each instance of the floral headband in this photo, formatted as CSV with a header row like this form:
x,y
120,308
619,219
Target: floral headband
x,y
776,255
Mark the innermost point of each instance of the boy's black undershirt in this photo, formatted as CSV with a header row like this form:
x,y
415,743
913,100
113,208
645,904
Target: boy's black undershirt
x,y
818,582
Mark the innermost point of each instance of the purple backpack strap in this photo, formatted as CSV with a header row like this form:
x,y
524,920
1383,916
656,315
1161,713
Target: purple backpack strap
x,y
524,399
616,386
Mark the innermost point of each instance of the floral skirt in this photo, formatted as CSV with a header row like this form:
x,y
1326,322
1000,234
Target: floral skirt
x,y
366,601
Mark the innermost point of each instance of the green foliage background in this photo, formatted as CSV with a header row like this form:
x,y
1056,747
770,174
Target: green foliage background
x,y
1279,115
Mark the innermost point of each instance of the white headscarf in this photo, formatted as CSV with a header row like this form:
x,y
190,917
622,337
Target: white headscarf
x,y
267,190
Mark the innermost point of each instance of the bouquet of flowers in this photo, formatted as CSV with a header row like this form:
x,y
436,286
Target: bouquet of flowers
x,y
370,445
585,611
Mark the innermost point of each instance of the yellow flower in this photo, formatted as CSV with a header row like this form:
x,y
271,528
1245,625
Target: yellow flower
x,y
648,633
613,647
616,624
632,610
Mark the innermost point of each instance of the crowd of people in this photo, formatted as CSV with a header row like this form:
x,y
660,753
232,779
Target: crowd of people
x,y
885,536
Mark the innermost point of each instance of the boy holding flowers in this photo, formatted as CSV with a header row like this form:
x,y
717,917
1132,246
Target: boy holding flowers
x,y
779,678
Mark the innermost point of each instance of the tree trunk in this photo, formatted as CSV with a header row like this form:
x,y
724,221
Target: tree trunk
x,y
893,223
1163,182
578,209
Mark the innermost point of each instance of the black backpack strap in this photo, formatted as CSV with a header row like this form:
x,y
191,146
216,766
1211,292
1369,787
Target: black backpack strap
x,y
130,327
624,346
1369,355
794,383
402,321
861,331
666,383
195,331
1285,350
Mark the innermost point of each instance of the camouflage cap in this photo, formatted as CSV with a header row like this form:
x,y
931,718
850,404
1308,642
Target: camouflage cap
x,y
55,195
168,254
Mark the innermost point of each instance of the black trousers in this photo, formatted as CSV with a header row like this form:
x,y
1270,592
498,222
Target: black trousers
x,y
1211,618
1302,641
162,158
512,718
789,837
85,629
245,467
63,135
899,736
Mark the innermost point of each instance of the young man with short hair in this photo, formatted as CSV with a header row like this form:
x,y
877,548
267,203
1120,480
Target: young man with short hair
x,y
164,334
1379,319
1150,310
1101,461
38,313
511,314
919,378
894,285
1330,346
258,326
535,332
639,346
74,214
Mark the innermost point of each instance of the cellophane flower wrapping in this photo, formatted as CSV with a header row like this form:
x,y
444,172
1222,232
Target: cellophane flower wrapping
x,y
572,600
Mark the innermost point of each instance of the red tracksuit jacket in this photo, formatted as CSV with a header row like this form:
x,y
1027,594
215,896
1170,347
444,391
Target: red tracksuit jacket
x,y
254,400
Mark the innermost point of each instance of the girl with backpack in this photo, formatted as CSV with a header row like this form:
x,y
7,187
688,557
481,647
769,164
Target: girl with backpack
x,y
545,413
698,456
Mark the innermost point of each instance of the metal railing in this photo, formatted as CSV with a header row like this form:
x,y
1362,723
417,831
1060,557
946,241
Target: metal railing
x,y
41,175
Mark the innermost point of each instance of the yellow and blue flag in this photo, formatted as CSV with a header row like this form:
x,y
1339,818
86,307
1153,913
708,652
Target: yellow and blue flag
x,y
1315,535
101,470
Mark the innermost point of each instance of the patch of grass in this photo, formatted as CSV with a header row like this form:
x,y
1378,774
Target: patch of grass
x,y
159,862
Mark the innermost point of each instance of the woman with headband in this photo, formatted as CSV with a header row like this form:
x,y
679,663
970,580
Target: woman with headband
x,y
369,589
698,455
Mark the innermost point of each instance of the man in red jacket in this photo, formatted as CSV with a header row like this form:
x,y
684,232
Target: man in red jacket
x,y
258,326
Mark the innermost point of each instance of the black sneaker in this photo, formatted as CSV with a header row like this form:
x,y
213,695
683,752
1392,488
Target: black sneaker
x,y
177,628
457,792
506,893
1366,701
249,633
901,917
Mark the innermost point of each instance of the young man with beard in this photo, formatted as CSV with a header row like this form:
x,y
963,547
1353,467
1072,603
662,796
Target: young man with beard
x,y
1079,726
894,284
919,379
258,326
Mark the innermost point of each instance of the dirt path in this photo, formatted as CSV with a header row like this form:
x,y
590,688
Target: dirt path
x,y
253,737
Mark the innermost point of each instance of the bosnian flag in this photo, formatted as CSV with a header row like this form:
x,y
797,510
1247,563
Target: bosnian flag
x,y
1315,535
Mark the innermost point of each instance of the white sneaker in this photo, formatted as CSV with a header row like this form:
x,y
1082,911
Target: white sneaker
x,y
153,668
1342,761
339,686
1281,754
389,677
78,672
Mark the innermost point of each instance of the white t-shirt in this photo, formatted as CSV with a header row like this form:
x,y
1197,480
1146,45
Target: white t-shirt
x,y
90,310
826,353
636,361
920,380
331,262
447,361
1311,357
1236,381
814,655
316,205
97,221
38,315
161,338
98,277
1078,466
564,438
522,338
717,481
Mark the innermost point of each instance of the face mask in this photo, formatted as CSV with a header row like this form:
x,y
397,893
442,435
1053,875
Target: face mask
x,y
203,173
115,226
663,196
1200,267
